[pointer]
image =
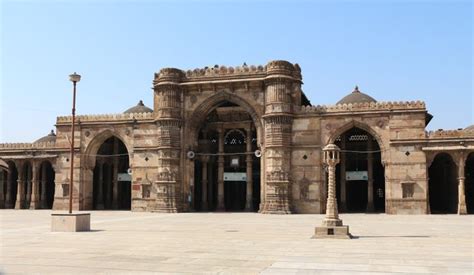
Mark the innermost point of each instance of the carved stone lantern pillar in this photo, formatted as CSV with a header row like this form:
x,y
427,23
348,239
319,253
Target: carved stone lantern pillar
x,y
332,226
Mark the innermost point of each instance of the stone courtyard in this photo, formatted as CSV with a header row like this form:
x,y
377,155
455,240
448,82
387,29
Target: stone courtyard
x,y
244,243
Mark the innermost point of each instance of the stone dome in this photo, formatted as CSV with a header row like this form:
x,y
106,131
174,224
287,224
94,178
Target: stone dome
x,y
356,97
470,128
139,108
51,137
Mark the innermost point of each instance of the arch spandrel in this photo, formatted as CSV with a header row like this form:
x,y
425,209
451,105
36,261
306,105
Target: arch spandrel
x,y
199,114
333,135
93,145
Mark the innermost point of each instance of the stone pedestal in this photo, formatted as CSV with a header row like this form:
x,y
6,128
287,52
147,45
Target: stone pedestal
x,y
332,232
70,222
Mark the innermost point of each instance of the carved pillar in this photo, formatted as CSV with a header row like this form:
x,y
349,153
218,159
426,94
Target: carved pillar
x,y
281,85
28,184
462,209
370,176
115,163
20,187
204,202
9,197
44,183
220,172
343,205
34,204
249,162
100,186
169,112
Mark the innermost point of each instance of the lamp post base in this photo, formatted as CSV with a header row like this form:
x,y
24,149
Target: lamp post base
x,y
70,222
332,232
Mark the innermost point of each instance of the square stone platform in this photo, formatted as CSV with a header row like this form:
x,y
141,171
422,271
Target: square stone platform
x,y
75,222
332,232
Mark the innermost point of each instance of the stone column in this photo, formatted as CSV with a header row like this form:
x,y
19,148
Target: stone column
x,y
462,209
20,188
100,187
2,188
343,205
332,214
44,183
249,162
115,163
34,204
370,175
28,183
220,172
8,198
204,203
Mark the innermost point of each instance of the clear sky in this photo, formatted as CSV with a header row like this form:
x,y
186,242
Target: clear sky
x,y
395,50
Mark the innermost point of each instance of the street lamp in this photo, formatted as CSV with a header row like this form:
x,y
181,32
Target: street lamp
x,y
74,78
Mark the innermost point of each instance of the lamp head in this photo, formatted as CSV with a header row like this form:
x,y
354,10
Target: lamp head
x,y
75,77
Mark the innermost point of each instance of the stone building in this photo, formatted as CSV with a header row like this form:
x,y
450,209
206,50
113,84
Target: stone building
x,y
245,139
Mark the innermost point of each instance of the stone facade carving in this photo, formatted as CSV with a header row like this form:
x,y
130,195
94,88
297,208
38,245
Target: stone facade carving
x,y
289,133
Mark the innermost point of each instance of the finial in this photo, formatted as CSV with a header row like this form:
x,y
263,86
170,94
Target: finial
x,y
140,103
356,89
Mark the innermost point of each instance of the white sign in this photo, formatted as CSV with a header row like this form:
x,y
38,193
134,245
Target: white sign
x,y
235,176
356,175
124,177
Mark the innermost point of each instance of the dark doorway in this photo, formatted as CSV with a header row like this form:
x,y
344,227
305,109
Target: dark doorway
x,y
112,185
239,142
469,184
360,169
443,188
46,185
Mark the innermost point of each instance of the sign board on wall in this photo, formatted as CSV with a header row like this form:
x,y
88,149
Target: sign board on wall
x,y
356,175
237,176
124,177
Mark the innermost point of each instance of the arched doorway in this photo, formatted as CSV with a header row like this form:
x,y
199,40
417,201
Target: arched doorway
x,y
443,185
469,184
10,187
226,170
360,176
46,185
111,182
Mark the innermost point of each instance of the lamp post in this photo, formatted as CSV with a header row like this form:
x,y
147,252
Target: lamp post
x,y
332,226
74,78
62,222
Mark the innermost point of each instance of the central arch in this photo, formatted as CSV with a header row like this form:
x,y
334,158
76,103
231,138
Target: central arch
x,y
225,131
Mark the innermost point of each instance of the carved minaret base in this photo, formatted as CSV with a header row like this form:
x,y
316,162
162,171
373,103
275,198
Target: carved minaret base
x,y
332,226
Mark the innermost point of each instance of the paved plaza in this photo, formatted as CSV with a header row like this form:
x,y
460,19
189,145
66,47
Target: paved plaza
x,y
244,243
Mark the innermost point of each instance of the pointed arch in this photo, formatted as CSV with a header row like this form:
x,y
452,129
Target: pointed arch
x,y
202,111
363,126
93,147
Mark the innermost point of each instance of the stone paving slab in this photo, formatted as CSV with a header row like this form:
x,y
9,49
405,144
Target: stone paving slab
x,y
235,243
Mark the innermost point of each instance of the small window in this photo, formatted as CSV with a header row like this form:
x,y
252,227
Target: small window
x,y
408,188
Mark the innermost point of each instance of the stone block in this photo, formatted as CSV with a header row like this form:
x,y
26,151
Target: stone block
x,y
332,232
70,222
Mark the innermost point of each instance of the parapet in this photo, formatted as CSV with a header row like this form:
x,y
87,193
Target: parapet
x,y
106,117
364,106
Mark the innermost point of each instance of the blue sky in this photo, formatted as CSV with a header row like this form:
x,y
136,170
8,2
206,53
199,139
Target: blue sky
x,y
395,50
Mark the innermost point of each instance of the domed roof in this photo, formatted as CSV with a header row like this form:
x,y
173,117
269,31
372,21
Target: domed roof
x,y
356,97
470,128
51,137
139,108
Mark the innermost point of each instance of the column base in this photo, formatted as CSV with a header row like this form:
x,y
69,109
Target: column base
x,y
275,207
462,209
19,204
34,205
332,232
370,209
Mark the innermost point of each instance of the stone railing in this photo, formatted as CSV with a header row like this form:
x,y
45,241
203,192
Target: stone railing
x,y
26,145
444,134
106,117
223,70
365,106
